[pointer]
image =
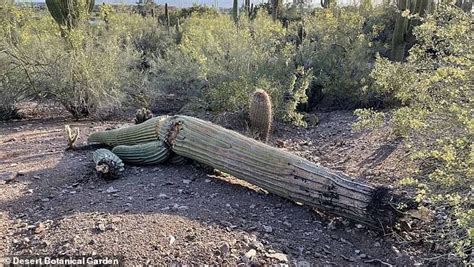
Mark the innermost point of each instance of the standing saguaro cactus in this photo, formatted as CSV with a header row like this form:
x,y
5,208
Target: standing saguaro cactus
x,y
276,6
235,11
167,17
261,115
68,13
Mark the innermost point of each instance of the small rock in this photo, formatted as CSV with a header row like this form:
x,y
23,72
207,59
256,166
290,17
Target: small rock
x,y
278,256
186,181
40,227
377,244
111,190
45,200
172,239
357,251
183,208
207,180
363,256
101,227
267,229
224,248
249,255
287,224
164,196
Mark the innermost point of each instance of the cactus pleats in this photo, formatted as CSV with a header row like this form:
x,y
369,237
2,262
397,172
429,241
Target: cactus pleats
x,y
107,164
136,134
144,154
261,114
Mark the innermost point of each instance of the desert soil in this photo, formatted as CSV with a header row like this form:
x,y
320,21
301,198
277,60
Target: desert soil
x,y
52,202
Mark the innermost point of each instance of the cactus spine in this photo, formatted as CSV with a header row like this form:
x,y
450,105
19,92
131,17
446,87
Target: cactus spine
x,y
143,115
107,164
261,115
68,13
72,135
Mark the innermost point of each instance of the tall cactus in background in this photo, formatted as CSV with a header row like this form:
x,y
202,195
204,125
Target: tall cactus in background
x,y
235,11
402,34
68,13
167,17
261,115
276,8
465,5
328,3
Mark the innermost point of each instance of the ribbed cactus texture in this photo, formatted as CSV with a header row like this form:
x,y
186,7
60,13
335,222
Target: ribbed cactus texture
x,y
107,164
275,170
136,134
69,12
261,115
143,154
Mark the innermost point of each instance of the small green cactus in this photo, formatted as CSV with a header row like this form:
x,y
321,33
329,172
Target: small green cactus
x,y
72,134
107,164
167,17
261,115
143,115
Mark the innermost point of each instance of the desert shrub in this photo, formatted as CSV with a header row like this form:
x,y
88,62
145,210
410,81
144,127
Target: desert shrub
x,y
435,89
340,45
233,61
87,71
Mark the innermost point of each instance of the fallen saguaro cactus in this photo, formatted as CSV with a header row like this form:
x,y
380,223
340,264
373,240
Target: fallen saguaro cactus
x,y
274,170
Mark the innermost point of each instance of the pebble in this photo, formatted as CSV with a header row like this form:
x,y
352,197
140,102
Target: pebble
x,y
186,181
249,255
267,229
172,239
111,190
40,227
278,256
224,248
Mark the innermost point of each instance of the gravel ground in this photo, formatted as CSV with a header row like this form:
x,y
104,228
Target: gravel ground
x,y
52,202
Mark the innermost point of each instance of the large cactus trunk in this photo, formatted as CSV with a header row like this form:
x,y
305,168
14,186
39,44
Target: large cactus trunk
x,y
277,171
274,170
69,12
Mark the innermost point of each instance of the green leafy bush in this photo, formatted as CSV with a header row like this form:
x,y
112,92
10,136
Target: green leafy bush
x,y
435,88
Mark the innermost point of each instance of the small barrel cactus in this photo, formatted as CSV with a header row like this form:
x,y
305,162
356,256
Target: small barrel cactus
x,y
72,134
261,114
107,164
143,115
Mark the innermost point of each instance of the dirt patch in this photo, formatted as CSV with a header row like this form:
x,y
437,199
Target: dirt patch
x,y
56,204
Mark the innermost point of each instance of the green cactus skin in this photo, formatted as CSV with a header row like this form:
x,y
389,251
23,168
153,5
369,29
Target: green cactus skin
x,y
143,154
277,171
261,115
136,134
68,12
107,164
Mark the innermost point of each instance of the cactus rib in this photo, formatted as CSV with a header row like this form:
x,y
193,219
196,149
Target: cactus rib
x,y
136,134
144,154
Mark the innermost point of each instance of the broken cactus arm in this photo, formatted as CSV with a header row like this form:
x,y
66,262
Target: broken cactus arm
x,y
107,164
